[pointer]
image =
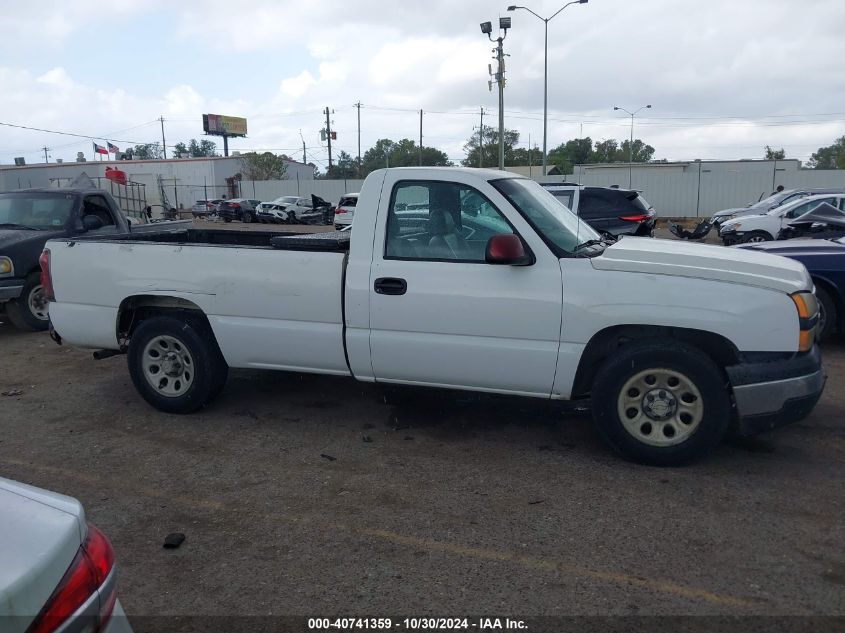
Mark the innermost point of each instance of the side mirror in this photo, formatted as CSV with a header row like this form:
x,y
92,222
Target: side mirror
x,y
91,222
506,249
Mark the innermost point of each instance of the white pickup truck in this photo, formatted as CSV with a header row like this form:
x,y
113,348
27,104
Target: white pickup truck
x,y
463,279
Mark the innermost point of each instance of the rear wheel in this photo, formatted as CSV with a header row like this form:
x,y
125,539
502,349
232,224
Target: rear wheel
x,y
175,364
828,314
661,403
757,236
29,311
247,217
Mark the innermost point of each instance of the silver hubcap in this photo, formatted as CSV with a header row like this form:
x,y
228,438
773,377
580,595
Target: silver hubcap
x,y
756,238
168,366
660,407
37,303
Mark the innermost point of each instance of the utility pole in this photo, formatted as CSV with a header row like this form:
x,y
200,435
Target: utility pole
x,y
304,158
499,78
481,140
358,105
529,155
631,142
329,136
421,115
46,149
164,145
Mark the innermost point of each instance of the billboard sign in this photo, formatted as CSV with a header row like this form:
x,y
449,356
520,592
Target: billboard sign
x,y
221,125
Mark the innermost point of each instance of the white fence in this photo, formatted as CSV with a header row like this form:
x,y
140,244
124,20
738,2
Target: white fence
x,y
691,194
673,192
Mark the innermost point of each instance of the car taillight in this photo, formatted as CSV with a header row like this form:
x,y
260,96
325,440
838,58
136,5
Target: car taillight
x,y
90,567
635,218
339,211
46,276
234,205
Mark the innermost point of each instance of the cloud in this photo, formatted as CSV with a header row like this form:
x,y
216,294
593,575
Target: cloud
x,y
696,63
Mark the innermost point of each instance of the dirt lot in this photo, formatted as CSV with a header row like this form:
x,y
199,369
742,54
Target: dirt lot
x,y
310,495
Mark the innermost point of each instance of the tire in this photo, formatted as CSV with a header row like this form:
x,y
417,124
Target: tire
x,y
828,315
29,312
185,344
247,217
227,220
681,418
757,236
291,217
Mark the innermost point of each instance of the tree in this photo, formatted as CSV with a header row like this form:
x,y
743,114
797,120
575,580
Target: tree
x,y
265,166
147,151
490,151
576,151
345,167
830,157
605,152
196,149
405,153
775,154
642,152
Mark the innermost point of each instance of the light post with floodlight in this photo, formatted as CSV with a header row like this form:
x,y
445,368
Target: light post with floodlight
x,y
631,142
546,21
499,78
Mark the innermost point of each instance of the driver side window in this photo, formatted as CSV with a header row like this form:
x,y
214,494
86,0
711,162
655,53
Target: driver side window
x,y
96,206
441,221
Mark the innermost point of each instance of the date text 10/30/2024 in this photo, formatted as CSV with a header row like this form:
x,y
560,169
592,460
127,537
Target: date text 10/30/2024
x,y
417,624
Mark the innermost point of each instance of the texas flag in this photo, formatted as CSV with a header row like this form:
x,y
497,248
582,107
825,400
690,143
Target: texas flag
x,y
113,149
99,149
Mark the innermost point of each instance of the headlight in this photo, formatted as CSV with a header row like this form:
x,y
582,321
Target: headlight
x,y
6,267
808,318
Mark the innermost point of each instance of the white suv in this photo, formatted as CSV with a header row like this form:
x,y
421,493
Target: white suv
x,y
345,210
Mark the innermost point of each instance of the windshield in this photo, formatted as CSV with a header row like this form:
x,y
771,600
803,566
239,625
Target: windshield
x,y
35,210
561,229
286,200
777,200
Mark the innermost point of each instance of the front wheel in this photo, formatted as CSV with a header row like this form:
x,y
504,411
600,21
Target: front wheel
x,y
661,403
247,217
757,236
175,364
29,311
828,315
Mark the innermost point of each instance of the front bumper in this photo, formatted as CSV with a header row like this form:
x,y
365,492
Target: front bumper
x,y
773,393
10,288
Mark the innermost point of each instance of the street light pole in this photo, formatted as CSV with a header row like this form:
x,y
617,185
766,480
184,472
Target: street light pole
x,y
631,142
546,70
499,78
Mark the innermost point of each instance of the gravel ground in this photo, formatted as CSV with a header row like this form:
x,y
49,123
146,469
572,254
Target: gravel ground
x,y
310,495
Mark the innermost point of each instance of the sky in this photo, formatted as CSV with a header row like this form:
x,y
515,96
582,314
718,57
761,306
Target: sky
x,y
725,78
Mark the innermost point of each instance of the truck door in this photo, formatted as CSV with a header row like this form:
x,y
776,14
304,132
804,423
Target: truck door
x,y
439,314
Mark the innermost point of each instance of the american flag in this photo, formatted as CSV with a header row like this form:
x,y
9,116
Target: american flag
x,y
113,149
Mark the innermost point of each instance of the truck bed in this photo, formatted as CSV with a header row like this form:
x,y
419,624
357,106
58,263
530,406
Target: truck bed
x,y
333,241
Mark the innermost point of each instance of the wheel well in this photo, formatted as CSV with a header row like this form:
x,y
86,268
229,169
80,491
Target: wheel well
x,y
834,294
135,309
607,341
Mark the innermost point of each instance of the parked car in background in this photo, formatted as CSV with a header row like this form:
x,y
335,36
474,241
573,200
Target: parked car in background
x,y
29,218
768,226
205,207
57,572
825,261
310,210
771,202
607,209
238,209
468,279
345,210
276,212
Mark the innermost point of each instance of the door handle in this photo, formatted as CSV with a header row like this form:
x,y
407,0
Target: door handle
x,y
390,286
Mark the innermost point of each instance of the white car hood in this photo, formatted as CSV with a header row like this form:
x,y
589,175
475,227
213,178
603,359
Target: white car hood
x,y
741,219
703,261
